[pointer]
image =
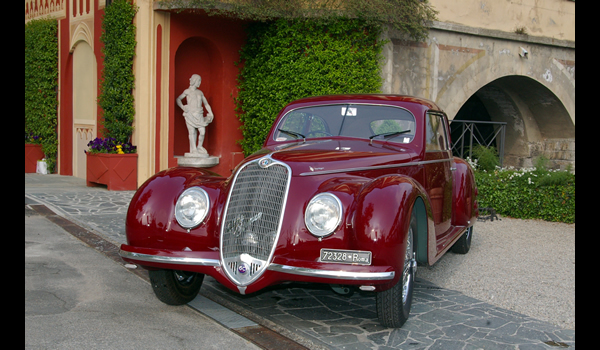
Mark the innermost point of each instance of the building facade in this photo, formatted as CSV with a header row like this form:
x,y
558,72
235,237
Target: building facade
x,y
473,65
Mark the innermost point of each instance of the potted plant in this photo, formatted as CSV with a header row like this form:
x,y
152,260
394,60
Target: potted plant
x,y
111,163
33,152
113,160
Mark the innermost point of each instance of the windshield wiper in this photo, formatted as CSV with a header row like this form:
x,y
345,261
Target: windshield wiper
x,y
388,135
297,135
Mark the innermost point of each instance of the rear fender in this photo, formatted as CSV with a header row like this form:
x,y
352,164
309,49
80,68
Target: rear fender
x,y
464,194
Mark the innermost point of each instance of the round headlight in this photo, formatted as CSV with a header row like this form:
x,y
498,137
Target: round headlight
x,y
323,214
192,207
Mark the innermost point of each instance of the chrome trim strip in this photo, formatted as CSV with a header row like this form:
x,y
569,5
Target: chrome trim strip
x,y
335,274
424,162
169,259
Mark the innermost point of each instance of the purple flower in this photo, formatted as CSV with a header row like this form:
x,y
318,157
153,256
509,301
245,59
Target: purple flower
x,y
109,145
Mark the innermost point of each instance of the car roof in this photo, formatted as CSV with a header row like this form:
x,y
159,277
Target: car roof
x,y
368,98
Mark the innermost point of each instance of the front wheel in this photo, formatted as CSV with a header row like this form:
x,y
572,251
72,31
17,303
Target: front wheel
x,y
393,305
175,287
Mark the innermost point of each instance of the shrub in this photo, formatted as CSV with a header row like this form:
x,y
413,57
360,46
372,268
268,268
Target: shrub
x,y
41,85
117,82
290,59
487,157
535,193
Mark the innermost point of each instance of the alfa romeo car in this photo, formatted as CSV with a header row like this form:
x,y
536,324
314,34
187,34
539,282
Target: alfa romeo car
x,y
349,190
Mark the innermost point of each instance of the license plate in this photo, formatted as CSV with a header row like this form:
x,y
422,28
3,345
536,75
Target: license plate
x,y
359,257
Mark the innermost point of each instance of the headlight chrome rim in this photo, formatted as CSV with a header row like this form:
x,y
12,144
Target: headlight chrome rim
x,y
192,207
329,207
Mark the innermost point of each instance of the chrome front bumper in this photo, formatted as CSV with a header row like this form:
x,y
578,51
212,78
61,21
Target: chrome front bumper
x,y
335,274
293,270
176,260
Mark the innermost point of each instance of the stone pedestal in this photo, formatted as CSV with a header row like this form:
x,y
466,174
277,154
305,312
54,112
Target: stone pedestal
x,y
197,160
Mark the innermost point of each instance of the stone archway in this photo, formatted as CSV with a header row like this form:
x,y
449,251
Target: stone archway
x,y
538,124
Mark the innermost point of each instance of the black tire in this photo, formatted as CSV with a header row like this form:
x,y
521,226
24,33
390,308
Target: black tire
x,y
393,305
175,287
463,245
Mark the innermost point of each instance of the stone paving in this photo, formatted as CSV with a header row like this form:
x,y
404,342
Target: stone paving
x,y
440,318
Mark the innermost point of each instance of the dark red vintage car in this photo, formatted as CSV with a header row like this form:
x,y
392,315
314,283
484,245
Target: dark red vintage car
x,y
348,190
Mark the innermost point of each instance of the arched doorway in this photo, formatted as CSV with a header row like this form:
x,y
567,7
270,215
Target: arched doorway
x,y
537,122
84,104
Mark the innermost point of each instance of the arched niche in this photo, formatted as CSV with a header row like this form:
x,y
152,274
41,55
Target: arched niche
x,y
197,55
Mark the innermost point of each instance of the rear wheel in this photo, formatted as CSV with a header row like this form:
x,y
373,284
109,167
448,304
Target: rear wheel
x,y
393,305
174,287
463,245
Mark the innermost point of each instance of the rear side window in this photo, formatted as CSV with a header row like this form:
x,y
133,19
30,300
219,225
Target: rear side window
x,y
436,133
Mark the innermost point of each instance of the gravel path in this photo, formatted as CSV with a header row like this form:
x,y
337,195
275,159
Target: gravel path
x,y
527,266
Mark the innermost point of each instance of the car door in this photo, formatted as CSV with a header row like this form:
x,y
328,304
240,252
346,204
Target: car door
x,y
438,174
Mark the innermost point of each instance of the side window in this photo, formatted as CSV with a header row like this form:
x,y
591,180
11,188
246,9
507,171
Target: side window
x,y
437,134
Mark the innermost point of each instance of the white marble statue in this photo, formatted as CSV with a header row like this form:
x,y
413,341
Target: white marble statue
x,y
194,114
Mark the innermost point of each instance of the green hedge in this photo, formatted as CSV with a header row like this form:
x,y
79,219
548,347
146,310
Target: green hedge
x,y
289,59
117,82
41,86
528,194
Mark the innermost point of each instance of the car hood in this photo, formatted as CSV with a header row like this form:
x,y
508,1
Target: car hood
x,y
334,155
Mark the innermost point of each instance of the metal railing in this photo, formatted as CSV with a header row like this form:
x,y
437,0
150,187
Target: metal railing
x,y
471,135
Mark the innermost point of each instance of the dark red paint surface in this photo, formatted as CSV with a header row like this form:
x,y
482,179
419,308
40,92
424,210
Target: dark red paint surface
x,y
377,202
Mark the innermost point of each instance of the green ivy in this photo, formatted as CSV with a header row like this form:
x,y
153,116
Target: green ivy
x,y
408,16
117,82
289,59
41,85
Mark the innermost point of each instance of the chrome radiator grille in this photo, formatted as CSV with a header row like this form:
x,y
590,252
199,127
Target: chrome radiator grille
x,y
252,218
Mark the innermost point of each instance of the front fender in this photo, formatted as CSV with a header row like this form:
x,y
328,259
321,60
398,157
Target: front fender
x,y
150,221
382,218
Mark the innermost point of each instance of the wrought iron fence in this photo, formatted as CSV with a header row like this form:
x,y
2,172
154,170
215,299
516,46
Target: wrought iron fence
x,y
471,135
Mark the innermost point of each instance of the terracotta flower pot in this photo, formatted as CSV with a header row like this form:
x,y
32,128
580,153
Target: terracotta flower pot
x,y
33,153
117,171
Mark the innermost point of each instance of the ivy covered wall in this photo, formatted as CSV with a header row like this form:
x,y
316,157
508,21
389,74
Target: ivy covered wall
x,y
41,85
118,80
285,60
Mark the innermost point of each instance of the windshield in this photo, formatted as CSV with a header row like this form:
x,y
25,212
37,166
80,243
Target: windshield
x,y
354,120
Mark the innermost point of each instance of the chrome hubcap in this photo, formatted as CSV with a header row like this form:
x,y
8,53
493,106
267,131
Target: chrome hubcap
x,y
410,267
184,278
